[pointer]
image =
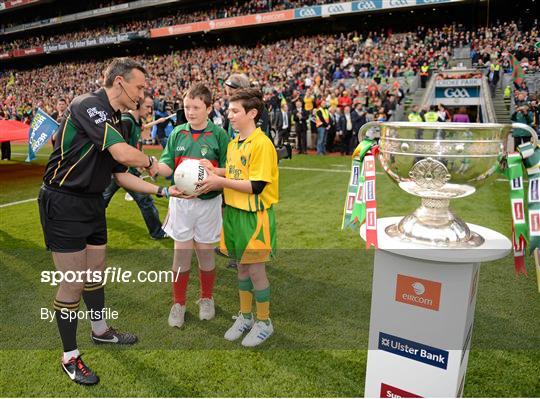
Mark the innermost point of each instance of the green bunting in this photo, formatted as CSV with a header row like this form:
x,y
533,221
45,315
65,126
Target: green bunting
x,y
354,211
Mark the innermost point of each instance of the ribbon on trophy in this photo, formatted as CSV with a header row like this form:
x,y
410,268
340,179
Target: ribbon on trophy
x,y
361,202
514,174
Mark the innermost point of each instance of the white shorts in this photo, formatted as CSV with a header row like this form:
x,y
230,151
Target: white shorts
x,y
194,219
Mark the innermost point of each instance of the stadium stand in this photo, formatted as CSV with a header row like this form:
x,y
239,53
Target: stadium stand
x,y
372,71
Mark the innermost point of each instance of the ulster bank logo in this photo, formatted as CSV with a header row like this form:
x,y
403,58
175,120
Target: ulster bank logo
x,y
418,292
413,350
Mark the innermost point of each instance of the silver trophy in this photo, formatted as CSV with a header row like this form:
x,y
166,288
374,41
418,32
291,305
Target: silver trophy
x,y
439,162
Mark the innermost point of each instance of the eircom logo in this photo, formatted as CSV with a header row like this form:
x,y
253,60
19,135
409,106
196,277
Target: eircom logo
x,y
456,93
418,292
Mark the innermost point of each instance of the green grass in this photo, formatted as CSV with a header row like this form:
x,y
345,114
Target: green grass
x,y
321,293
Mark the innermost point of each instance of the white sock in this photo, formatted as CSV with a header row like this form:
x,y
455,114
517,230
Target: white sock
x,y
68,355
99,327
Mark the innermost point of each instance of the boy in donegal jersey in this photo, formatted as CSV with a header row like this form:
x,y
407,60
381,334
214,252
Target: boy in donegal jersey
x,y
194,222
250,186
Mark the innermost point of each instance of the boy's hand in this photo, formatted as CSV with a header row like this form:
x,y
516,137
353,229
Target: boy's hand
x,y
177,193
212,183
208,166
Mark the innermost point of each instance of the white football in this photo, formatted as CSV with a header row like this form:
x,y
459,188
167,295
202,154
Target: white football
x,y
188,175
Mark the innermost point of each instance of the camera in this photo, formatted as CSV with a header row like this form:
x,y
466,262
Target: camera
x,y
284,151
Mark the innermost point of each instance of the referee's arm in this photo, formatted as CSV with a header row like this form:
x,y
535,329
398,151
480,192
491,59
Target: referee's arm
x,y
133,183
90,117
127,155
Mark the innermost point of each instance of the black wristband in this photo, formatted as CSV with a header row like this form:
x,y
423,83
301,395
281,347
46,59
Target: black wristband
x,y
159,193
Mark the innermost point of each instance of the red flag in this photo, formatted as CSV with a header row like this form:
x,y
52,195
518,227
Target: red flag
x,y
11,130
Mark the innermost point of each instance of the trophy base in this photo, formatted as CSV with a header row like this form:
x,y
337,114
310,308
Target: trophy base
x,y
434,224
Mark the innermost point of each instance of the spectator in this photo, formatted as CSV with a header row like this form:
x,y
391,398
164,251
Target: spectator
x,y
345,124
217,114
431,115
414,116
300,122
443,114
283,124
334,115
322,121
522,115
461,116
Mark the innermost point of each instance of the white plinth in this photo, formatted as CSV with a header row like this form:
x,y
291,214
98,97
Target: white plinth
x,y
422,314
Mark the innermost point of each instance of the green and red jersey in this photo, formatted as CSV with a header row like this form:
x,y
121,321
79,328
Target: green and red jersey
x,y
185,143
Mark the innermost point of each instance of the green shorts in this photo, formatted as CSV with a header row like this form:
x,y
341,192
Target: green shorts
x,y
248,237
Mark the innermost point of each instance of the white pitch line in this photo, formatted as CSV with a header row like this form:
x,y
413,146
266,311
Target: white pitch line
x,y
17,202
37,155
315,169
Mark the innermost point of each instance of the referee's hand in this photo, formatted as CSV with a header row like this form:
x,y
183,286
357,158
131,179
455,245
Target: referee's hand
x,y
153,168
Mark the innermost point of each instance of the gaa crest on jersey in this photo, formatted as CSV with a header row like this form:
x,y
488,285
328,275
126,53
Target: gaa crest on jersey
x,y
243,160
204,150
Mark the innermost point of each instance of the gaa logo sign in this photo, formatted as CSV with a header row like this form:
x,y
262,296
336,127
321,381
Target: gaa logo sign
x,y
456,93
335,9
399,3
365,5
307,12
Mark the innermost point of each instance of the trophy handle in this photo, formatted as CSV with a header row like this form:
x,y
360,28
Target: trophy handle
x,y
534,136
366,126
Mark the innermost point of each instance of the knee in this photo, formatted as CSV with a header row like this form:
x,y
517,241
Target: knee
x,y
243,272
70,291
255,275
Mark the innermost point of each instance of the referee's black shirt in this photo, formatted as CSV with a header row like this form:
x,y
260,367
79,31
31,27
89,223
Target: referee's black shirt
x,y
80,161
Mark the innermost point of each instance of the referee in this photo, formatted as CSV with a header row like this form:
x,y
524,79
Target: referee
x,y
88,149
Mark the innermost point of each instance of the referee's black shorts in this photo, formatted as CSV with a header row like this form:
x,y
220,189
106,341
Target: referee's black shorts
x,y
70,221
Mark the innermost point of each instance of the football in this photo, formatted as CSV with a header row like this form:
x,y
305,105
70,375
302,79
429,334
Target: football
x,y
188,175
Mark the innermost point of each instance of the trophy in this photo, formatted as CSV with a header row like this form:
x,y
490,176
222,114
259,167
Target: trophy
x,y
439,162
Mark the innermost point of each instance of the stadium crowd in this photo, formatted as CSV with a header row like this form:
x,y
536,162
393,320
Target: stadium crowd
x,y
354,76
184,15
353,70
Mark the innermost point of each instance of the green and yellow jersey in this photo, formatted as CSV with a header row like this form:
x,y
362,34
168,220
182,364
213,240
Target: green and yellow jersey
x,y
253,159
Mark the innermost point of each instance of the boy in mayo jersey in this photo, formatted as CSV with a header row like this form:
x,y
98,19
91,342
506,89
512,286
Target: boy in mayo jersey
x,y
194,222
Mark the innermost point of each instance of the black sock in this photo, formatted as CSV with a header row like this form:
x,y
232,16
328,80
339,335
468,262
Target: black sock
x,y
66,319
94,298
